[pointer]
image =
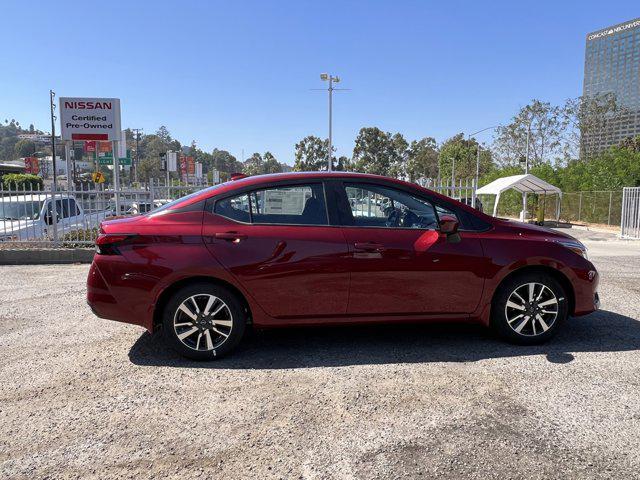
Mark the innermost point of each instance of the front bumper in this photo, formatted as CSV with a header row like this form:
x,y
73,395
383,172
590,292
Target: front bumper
x,y
585,287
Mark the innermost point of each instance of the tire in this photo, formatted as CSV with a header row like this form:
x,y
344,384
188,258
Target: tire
x,y
195,335
517,319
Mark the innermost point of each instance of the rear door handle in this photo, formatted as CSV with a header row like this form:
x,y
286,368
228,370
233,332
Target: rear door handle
x,y
368,247
230,236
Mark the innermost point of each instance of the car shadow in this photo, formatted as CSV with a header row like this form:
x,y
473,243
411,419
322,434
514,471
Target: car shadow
x,y
602,331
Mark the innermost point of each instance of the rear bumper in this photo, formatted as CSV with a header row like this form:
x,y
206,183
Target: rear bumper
x,y
103,303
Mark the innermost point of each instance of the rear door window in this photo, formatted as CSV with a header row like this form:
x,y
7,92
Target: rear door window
x,y
234,208
290,205
280,205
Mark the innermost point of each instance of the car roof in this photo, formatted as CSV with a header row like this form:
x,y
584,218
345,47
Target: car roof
x,y
257,180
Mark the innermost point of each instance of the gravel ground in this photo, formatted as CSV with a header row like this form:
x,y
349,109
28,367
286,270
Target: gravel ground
x,y
82,397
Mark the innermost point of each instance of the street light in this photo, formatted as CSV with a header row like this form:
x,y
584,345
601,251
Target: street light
x,y
331,79
478,159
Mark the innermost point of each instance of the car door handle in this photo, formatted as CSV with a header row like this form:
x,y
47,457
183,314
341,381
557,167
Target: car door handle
x,y
230,236
368,247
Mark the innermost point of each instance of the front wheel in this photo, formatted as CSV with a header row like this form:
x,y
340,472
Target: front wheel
x,y
203,321
529,308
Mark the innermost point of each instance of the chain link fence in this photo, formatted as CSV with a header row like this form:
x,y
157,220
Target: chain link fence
x,y
595,207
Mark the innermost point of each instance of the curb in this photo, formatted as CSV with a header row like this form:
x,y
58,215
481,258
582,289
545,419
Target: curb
x,y
46,256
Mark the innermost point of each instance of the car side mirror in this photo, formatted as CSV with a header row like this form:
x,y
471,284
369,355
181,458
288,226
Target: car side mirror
x,y
449,226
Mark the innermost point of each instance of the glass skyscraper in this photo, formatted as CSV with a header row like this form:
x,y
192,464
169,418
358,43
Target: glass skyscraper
x,y
612,66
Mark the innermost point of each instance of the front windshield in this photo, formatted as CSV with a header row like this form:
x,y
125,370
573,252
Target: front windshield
x,y
20,210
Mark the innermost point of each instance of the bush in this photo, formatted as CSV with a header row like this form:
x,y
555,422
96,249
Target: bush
x,y
22,181
77,238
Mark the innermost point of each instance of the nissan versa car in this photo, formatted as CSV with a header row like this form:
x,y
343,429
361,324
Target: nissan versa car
x,y
331,248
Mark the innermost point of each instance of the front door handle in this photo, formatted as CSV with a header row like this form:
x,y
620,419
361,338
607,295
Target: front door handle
x,y
230,236
368,247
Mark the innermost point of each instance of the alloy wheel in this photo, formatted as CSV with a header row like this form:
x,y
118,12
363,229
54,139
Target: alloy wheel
x,y
531,309
203,322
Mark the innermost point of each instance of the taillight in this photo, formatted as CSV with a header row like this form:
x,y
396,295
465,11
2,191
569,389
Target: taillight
x,y
107,243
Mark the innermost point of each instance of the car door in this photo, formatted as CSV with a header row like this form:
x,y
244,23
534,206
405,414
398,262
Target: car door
x,y
278,244
400,262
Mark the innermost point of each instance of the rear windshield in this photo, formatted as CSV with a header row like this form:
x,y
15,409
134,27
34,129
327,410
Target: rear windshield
x,y
172,204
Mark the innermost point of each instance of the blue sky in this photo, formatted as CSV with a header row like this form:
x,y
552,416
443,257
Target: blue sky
x,y
237,75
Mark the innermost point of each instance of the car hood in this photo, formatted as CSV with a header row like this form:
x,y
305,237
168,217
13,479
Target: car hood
x,y
528,229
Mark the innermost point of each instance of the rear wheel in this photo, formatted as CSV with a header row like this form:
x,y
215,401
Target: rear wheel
x,y
203,321
529,308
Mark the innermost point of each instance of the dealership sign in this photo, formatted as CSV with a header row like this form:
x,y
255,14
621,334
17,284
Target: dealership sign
x,y
90,118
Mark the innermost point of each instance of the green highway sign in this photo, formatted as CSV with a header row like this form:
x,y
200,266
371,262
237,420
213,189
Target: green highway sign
x,y
106,158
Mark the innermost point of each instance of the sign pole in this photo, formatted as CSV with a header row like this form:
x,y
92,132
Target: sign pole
x,y
116,175
67,157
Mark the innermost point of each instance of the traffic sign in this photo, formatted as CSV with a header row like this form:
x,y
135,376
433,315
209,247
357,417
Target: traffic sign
x,y
98,177
105,159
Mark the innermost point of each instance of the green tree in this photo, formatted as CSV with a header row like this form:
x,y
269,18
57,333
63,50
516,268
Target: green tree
x,y
342,164
311,154
254,165
379,152
422,159
463,152
588,118
225,163
151,147
24,148
164,134
631,143
545,124
270,164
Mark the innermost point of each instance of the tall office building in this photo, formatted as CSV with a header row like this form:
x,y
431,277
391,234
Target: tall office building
x,y
612,66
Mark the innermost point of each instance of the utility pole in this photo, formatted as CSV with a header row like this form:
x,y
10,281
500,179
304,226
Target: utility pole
x,y
53,139
54,212
135,167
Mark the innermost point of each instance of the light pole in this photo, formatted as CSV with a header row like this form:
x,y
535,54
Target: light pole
x,y
331,79
478,160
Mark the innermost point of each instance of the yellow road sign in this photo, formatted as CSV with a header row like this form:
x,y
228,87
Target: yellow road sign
x,y
98,177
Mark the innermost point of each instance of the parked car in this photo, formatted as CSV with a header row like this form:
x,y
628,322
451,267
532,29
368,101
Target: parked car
x,y
31,217
134,207
203,267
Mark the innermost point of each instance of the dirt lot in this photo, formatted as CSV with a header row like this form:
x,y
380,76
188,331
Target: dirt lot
x,y
87,398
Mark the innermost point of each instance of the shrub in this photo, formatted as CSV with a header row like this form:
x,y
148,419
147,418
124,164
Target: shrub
x,y
22,181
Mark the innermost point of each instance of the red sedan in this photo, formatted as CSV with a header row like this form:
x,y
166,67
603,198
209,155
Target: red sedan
x,y
331,248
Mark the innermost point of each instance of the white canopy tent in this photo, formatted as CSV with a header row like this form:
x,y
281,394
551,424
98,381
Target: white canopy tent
x,y
522,183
